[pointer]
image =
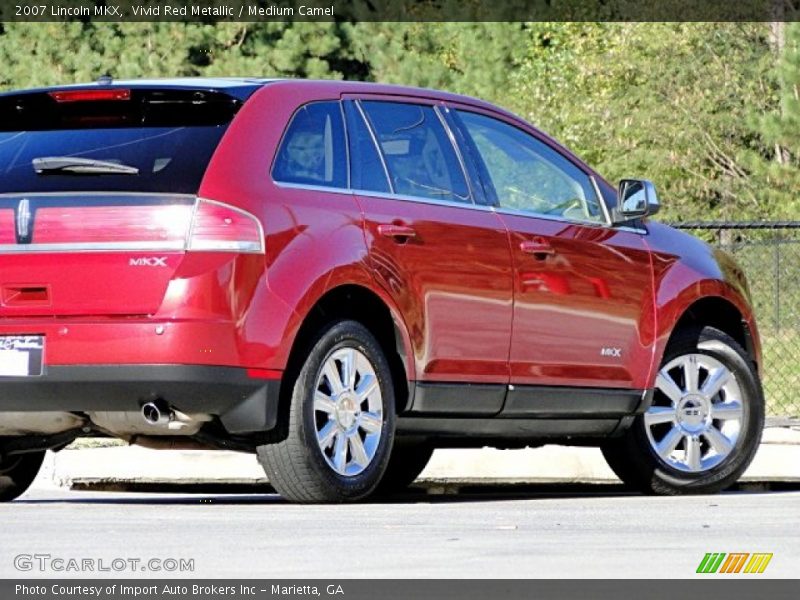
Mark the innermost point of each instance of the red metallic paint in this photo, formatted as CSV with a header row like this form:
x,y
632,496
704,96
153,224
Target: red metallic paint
x,y
594,292
452,283
686,270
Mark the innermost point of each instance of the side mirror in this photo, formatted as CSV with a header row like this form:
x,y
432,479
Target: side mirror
x,y
637,199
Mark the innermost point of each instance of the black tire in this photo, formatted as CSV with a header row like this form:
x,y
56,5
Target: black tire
x,y
637,464
17,473
296,466
408,460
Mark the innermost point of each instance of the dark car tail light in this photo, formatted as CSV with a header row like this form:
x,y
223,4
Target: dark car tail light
x,y
223,228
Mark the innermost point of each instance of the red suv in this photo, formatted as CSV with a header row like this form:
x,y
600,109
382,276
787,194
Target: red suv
x,y
341,277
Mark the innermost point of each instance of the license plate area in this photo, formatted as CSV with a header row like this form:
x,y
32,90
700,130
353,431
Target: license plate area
x,y
21,355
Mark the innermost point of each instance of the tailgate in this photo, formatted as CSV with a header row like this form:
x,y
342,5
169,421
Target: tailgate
x,y
90,253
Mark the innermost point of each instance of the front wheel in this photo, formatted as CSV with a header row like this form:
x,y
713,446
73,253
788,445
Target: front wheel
x,y
704,425
341,421
17,473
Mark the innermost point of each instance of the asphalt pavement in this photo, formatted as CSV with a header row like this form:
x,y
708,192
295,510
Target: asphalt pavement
x,y
576,531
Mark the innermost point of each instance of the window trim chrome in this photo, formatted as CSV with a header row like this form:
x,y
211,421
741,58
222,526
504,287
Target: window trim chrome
x,y
451,136
423,200
601,201
606,223
176,246
452,204
346,143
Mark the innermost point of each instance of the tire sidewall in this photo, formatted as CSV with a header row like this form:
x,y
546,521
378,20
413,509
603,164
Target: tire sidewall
x,y
346,334
15,481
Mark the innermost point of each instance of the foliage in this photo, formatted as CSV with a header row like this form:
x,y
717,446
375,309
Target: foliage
x,y
668,101
776,170
710,112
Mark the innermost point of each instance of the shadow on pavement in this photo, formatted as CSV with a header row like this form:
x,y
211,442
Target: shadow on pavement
x,y
430,492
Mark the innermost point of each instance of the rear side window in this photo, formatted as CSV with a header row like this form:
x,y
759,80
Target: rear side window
x,y
313,150
418,152
367,172
161,140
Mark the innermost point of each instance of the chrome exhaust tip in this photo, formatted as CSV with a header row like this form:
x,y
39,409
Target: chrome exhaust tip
x,y
157,413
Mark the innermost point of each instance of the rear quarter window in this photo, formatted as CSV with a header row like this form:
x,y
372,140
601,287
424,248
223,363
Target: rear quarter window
x,y
313,150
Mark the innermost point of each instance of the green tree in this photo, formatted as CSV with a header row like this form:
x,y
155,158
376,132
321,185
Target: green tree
x,y
667,101
705,110
775,165
469,58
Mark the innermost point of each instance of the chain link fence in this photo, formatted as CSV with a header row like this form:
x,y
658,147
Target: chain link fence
x,y
769,254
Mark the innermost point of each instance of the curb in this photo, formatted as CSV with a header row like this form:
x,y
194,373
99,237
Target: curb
x,y
124,468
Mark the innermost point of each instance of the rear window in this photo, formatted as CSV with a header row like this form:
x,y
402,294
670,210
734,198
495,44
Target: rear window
x,y
166,136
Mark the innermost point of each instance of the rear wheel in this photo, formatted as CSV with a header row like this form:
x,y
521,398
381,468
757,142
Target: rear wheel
x,y
341,421
17,473
704,425
408,460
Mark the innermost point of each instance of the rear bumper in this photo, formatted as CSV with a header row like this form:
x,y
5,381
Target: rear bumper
x,y
243,403
144,341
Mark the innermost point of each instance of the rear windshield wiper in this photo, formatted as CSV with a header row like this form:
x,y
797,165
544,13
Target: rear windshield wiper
x,y
79,166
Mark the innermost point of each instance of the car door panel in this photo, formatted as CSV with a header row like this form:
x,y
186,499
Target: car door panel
x,y
445,263
582,289
582,311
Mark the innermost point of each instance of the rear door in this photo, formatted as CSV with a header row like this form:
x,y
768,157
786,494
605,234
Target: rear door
x,y
97,195
444,260
583,290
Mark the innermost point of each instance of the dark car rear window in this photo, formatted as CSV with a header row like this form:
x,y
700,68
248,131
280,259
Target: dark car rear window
x,y
168,135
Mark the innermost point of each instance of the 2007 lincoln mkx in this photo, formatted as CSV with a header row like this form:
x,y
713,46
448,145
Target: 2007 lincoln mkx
x,y
342,277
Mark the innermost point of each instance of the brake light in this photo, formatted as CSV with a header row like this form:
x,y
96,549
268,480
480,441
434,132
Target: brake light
x,y
222,228
201,226
162,225
90,95
7,227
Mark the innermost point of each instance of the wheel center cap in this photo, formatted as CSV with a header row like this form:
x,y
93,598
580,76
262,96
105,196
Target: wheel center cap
x,y
346,409
692,414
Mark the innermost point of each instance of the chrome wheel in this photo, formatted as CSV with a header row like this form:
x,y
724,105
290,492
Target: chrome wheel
x,y
697,413
348,411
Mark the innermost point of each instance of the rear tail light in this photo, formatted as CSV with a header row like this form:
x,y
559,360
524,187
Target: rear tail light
x,y
205,226
222,228
160,226
7,231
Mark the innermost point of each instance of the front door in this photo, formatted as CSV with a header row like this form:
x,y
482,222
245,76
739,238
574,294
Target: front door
x,y
583,290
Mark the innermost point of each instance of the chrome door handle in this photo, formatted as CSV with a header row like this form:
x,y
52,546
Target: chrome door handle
x,y
540,249
396,231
